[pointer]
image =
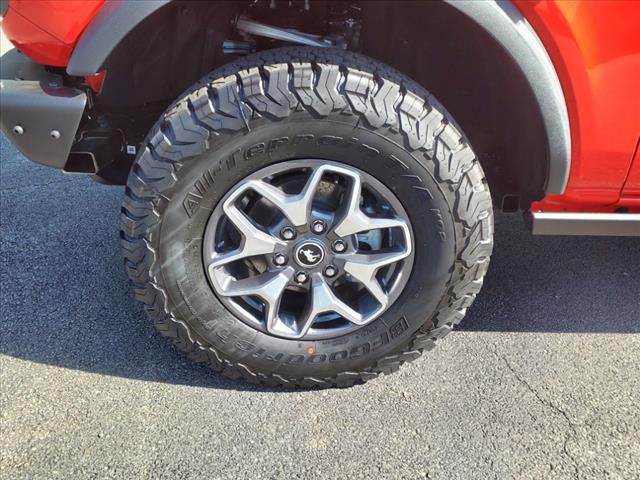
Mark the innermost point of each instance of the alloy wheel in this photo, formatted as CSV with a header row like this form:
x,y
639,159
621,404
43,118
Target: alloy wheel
x,y
308,249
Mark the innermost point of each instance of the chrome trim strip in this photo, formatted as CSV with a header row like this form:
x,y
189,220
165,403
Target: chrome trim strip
x,y
511,30
570,223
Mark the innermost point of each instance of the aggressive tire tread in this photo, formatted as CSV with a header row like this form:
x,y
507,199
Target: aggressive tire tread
x,y
226,102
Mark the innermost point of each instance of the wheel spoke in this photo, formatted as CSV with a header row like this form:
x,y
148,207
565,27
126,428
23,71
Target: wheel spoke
x,y
295,207
363,267
268,286
354,220
254,241
323,300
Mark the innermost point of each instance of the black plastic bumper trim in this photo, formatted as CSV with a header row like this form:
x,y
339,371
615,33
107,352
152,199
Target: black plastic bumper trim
x,y
38,114
41,120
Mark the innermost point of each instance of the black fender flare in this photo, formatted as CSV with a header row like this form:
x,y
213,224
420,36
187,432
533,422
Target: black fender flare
x,y
500,19
508,27
107,29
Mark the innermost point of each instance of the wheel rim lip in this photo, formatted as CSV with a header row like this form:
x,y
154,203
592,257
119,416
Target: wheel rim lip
x,y
208,247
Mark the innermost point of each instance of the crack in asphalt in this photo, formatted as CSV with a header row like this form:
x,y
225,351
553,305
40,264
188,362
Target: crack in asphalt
x,y
547,403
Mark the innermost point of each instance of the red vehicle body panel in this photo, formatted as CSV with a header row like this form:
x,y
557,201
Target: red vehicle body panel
x,y
631,189
47,30
594,46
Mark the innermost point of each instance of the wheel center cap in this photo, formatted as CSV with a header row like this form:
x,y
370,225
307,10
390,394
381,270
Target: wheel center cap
x,y
309,254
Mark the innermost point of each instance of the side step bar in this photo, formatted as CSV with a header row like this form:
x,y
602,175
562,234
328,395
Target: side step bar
x,y
570,223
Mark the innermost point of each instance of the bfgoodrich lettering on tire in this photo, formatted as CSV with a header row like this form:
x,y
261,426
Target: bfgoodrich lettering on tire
x,y
306,217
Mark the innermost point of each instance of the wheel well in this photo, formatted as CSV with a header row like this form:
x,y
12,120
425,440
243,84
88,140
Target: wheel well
x,y
432,42
167,52
475,79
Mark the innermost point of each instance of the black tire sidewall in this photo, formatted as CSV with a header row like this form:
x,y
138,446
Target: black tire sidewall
x,y
204,180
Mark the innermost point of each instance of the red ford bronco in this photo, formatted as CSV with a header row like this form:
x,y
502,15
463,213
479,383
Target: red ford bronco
x,y
310,183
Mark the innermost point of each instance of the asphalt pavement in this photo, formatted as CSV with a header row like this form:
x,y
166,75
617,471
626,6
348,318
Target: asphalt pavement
x,y
542,381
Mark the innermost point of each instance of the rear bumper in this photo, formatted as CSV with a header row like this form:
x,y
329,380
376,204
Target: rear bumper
x,y
38,114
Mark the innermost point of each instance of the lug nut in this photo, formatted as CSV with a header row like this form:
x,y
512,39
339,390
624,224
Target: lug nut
x,y
288,233
318,226
302,277
280,259
339,246
330,271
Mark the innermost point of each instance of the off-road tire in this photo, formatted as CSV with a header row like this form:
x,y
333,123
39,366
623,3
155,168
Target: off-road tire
x,y
264,90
